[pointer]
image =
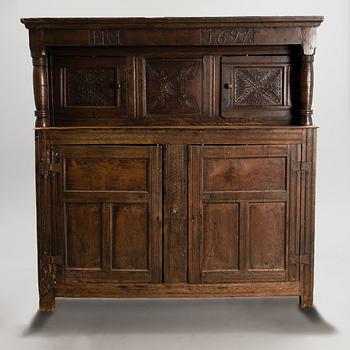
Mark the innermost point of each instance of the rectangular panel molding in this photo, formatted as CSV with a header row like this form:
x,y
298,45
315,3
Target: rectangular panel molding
x,y
84,236
130,237
175,157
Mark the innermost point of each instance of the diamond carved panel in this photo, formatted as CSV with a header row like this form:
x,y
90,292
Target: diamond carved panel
x,y
258,86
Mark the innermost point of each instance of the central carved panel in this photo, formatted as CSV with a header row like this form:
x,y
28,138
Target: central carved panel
x,y
174,86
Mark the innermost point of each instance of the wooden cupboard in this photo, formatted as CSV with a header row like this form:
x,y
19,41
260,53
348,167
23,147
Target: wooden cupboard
x,y
174,157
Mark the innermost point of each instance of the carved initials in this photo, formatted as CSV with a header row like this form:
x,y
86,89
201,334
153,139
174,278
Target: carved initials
x,y
104,37
234,36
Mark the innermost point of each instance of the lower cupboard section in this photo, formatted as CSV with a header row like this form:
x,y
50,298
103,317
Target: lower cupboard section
x,y
241,224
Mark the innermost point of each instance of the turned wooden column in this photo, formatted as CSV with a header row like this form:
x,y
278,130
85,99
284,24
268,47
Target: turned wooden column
x,y
306,89
41,87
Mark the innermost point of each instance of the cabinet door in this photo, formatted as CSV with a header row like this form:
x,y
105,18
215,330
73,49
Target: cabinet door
x,y
109,213
256,89
90,90
243,213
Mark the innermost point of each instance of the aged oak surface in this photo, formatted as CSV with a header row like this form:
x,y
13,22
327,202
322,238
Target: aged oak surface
x,y
175,157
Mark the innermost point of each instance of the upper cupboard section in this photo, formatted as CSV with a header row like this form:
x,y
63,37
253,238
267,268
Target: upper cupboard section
x,y
136,87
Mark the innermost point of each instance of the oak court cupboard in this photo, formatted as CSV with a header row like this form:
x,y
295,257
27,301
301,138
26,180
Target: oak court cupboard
x,y
175,157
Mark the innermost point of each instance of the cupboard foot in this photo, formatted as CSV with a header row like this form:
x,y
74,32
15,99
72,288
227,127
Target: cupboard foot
x,y
305,302
47,303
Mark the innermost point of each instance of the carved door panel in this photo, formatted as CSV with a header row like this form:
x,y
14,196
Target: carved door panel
x,y
173,87
256,85
109,213
91,89
244,213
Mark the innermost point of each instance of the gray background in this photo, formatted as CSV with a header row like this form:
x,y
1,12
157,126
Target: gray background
x,y
174,324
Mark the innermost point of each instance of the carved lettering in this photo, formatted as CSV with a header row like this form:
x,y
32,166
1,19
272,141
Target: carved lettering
x,y
230,36
104,37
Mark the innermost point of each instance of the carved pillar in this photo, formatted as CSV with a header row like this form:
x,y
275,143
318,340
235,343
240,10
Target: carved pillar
x,y
306,89
41,87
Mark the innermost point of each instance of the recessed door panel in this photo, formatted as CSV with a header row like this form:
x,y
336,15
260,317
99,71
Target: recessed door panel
x,y
106,174
83,236
130,236
220,236
245,174
267,236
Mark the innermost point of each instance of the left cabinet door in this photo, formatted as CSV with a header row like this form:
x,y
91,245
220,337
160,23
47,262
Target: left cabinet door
x,y
108,213
91,90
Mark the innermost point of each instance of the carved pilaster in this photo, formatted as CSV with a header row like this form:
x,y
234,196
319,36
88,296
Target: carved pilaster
x,y
306,89
41,87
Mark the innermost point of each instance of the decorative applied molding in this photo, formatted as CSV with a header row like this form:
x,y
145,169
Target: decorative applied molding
x,y
230,36
258,86
174,86
90,87
104,37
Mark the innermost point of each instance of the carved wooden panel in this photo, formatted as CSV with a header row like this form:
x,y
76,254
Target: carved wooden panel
x,y
130,237
83,235
258,86
239,210
173,86
251,82
89,87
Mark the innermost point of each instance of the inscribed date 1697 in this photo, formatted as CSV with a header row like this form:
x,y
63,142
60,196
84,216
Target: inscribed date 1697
x,y
227,36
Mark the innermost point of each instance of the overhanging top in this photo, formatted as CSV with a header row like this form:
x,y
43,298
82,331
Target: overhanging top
x,y
172,22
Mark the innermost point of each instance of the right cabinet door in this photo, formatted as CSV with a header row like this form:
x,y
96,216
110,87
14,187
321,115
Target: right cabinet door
x,y
243,213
